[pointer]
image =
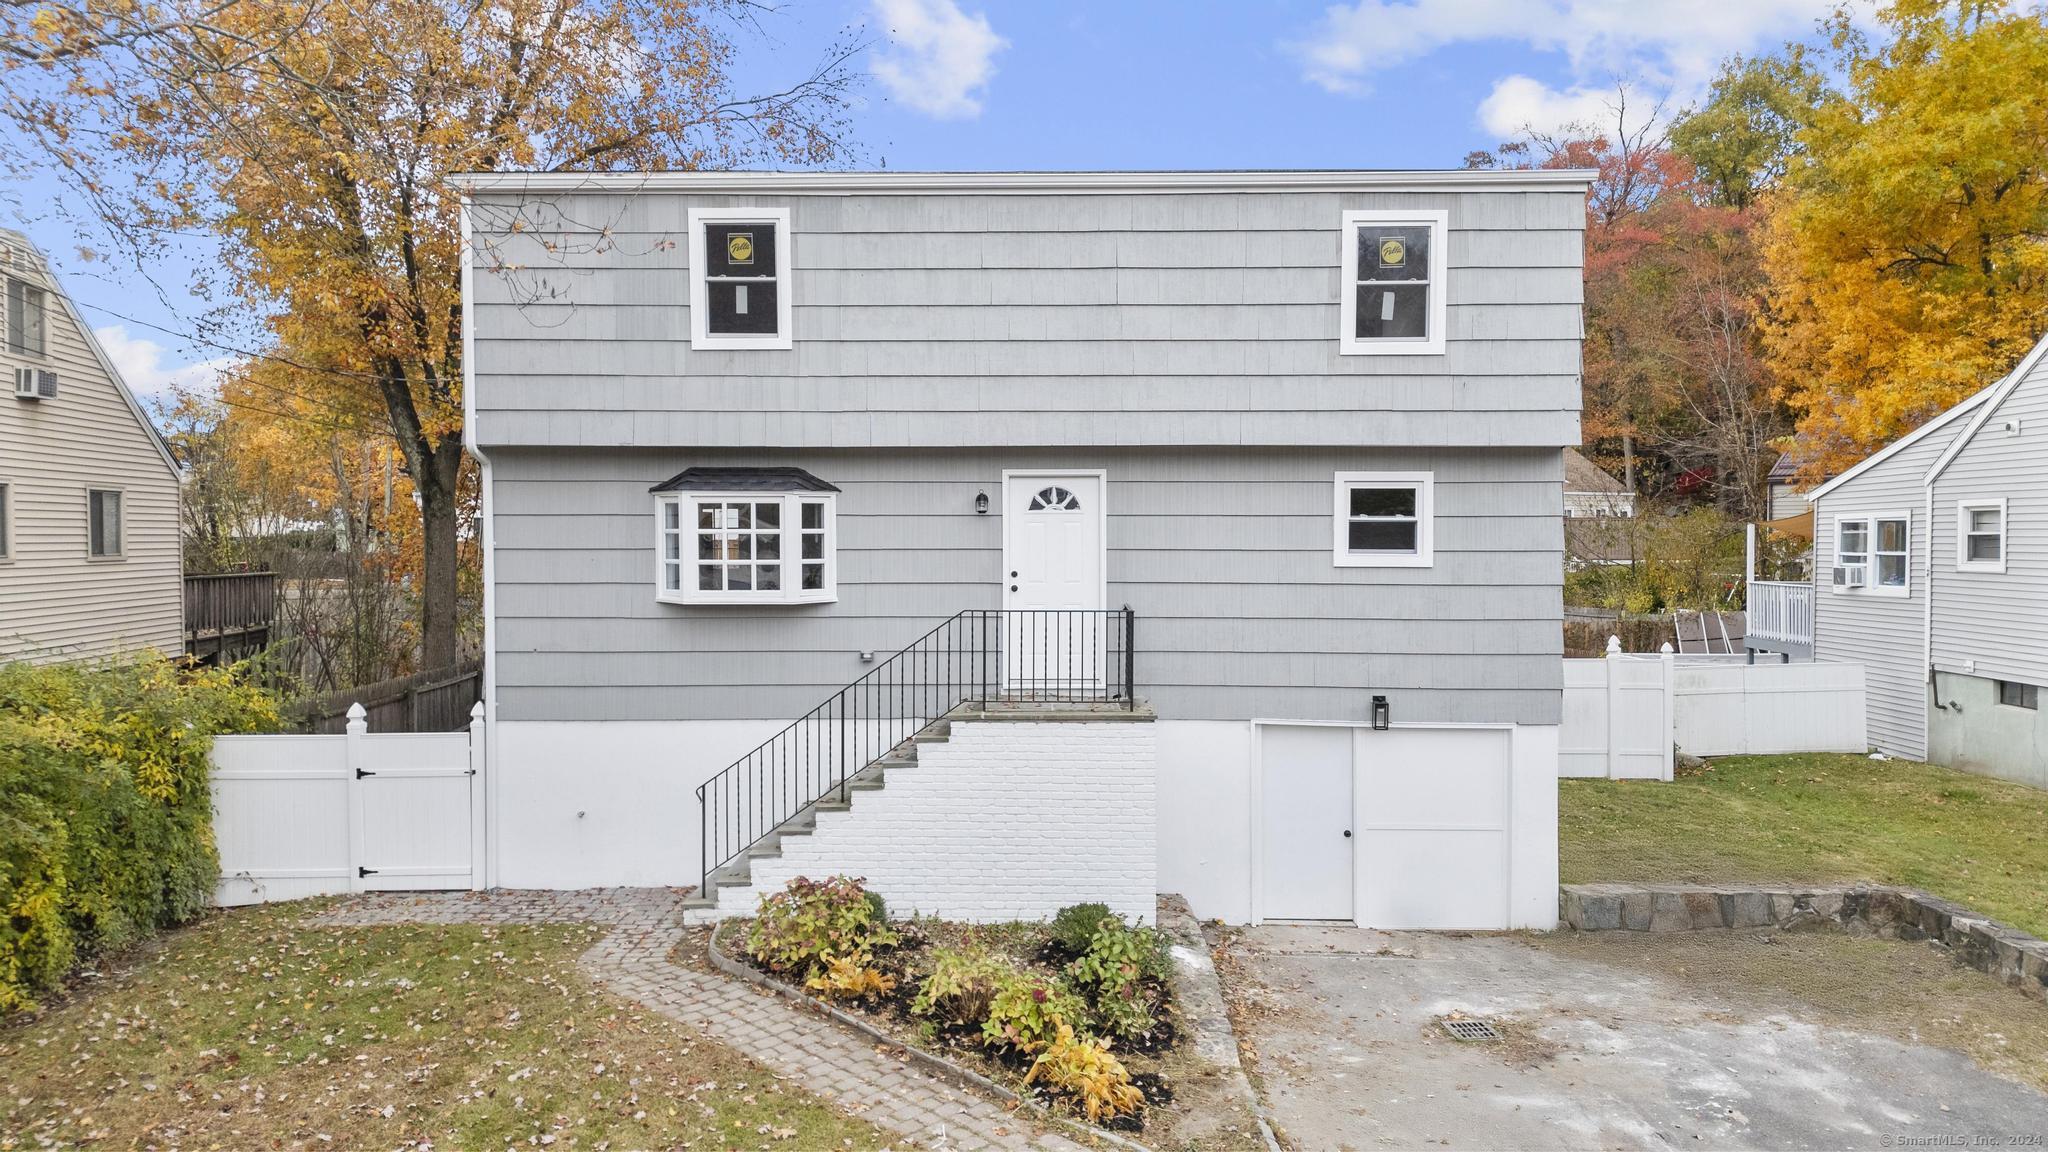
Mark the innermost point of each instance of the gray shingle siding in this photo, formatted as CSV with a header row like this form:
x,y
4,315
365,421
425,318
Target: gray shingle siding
x,y
1107,319
1224,554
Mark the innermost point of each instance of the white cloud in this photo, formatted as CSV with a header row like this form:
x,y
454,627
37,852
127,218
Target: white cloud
x,y
141,364
1668,46
941,58
1519,102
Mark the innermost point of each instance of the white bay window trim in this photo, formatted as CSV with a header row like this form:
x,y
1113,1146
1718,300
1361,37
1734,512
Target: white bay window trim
x,y
1423,517
701,336
1967,527
798,542
1349,342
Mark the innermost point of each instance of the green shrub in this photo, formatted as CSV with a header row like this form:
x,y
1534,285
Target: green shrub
x,y
105,817
1074,926
962,985
1111,973
1027,1012
812,921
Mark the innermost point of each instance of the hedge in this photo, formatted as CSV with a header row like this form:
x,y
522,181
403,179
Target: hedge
x,y
105,816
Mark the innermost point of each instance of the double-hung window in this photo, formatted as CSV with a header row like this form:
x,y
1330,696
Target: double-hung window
x,y
745,536
26,318
1980,536
739,278
1384,519
1393,283
103,523
1873,553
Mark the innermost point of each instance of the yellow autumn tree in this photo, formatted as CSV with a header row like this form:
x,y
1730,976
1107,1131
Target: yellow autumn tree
x,y
316,140
1906,247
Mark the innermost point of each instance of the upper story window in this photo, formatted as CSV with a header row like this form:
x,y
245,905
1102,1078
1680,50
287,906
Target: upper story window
x,y
1393,283
739,278
1871,553
745,536
26,318
103,523
1384,519
1980,536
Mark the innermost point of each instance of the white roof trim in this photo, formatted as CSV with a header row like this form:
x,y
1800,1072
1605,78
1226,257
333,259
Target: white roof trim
x,y
1026,183
1902,443
2003,389
92,342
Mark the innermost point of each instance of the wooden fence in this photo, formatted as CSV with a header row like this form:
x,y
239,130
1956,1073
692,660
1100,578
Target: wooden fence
x,y
433,701
229,614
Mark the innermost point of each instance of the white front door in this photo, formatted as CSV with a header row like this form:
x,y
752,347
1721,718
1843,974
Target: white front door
x,y
1305,823
1053,584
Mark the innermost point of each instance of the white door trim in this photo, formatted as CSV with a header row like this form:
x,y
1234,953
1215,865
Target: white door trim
x,y
1101,476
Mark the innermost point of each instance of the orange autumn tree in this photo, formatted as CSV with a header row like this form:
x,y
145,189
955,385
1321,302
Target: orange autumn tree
x,y
1906,246
316,140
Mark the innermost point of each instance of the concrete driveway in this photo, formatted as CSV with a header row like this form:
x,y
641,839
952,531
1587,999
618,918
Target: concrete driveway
x,y
1343,1024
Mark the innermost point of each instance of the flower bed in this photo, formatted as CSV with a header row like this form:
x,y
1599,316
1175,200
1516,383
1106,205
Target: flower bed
x,y
1077,1014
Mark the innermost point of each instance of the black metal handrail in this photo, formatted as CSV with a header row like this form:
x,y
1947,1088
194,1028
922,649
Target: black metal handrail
x,y
981,655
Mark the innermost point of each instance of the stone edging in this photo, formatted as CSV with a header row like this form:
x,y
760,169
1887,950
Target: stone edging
x,y
937,1065
1203,1008
2006,954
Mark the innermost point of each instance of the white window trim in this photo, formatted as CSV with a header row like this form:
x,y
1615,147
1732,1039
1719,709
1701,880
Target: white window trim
x,y
1348,342
792,520
1871,587
1963,510
785,291
120,526
1424,555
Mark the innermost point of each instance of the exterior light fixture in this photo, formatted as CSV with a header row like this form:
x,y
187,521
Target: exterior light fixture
x,y
1379,713
981,503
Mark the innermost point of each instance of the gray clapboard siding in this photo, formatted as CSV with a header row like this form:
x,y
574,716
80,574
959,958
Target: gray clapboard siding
x,y
55,602
978,318
1224,554
1999,621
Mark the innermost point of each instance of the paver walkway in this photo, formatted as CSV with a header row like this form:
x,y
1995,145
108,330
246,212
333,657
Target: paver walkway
x,y
632,960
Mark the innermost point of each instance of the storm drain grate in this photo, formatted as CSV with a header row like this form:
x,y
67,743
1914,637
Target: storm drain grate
x,y
1470,1030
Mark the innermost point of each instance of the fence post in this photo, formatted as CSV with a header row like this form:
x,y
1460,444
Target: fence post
x,y
1610,668
479,789
358,727
1670,670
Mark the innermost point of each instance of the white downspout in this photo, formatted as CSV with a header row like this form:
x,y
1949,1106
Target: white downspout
x,y
493,794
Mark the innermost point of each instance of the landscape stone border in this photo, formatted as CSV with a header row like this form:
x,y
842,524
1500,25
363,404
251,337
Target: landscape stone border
x,y
2006,954
1199,992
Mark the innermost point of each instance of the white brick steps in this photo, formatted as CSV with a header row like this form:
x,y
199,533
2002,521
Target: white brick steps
x,y
1003,813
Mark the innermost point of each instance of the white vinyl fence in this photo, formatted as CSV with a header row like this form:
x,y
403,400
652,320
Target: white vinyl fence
x,y
1624,714
306,815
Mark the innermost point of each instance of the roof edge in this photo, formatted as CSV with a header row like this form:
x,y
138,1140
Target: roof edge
x,y
1960,408
2003,391
1026,183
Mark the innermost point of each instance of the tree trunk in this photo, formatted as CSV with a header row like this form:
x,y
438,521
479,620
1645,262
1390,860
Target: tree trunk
x,y
439,623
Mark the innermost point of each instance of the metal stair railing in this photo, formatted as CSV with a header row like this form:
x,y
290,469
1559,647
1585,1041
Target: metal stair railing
x,y
979,655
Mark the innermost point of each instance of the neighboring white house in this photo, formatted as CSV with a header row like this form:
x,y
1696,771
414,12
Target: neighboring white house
x,y
1589,492
791,466
1932,571
90,562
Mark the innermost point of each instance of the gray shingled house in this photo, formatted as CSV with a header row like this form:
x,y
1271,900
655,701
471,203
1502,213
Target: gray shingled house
x,y
1017,539
1931,570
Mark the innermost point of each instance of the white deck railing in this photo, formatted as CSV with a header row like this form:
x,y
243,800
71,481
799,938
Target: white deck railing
x,y
1781,610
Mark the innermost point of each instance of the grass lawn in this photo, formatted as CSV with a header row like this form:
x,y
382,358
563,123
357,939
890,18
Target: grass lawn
x,y
254,1029
1818,818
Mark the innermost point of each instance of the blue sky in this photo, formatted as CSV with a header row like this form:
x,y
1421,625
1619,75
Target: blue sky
x,y
1050,84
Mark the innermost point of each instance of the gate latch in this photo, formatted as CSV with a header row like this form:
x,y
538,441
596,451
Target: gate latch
x,y
362,871
362,772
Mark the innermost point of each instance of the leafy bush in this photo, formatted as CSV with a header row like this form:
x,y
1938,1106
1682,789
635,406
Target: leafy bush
x,y
1028,1011
1074,926
1119,958
810,921
962,985
105,816
846,979
1082,1067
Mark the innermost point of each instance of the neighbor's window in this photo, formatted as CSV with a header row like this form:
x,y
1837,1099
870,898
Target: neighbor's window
x,y
1981,537
1383,519
26,326
1890,550
739,264
6,522
746,547
1393,287
2019,695
103,523
1852,543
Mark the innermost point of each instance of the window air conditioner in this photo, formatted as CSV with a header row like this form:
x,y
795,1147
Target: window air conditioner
x,y
35,384
1850,575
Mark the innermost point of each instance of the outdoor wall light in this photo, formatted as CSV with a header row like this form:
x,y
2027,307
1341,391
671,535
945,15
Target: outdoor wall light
x,y
981,503
1379,713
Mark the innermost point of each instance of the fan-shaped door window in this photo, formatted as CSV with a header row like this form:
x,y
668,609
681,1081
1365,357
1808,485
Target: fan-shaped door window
x,y
1054,499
